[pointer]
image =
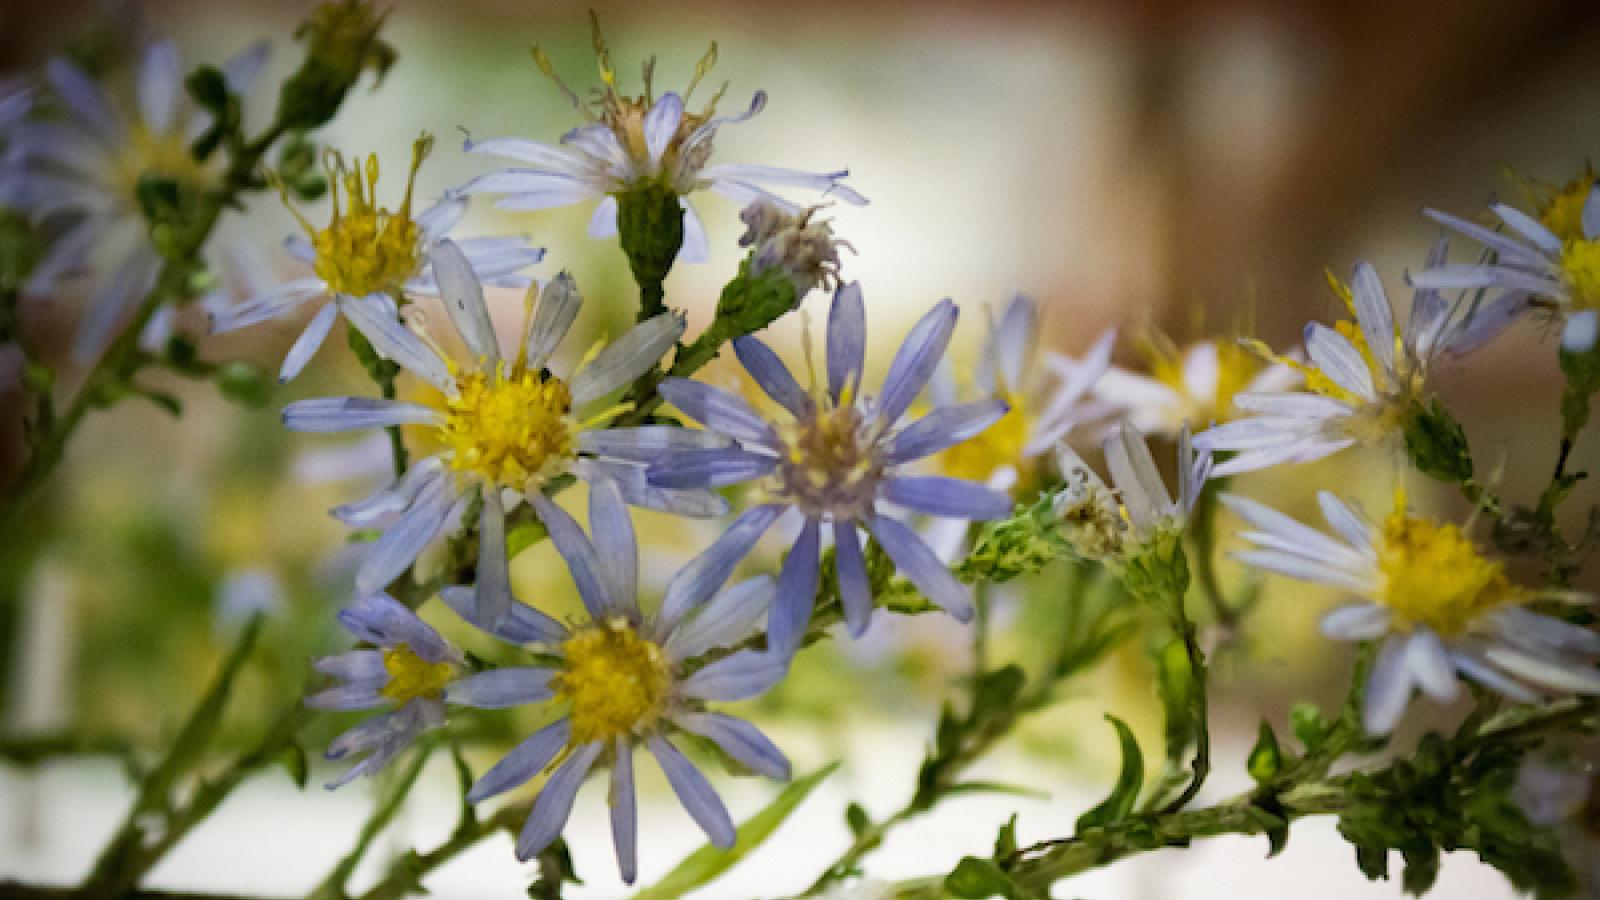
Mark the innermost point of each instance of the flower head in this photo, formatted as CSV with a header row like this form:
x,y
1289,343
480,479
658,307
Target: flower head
x,y
623,679
835,456
371,254
1193,385
1438,604
1364,377
406,670
92,169
630,142
1045,397
504,426
1140,514
798,244
1553,260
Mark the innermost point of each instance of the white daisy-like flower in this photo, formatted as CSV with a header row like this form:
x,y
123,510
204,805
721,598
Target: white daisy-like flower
x,y
1193,385
506,427
86,170
630,142
1438,605
1534,264
366,249
1363,377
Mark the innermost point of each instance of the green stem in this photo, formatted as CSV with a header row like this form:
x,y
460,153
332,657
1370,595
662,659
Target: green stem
x,y
404,875
334,886
153,825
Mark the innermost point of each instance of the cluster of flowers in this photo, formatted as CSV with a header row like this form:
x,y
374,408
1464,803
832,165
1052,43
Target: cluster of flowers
x,y
836,462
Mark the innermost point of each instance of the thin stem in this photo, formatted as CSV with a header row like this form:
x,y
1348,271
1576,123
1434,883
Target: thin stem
x,y
404,875
333,887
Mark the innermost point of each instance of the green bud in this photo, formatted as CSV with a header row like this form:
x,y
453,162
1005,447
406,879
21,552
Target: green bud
x,y
1021,545
341,43
1157,571
1265,758
1583,382
244,383
298,171
1436,443
650,228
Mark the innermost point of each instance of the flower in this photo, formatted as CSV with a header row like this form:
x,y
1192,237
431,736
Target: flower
x,y
413,671
1440,607
630,142
506,427
16,104
626,679
1193,385
367,249
1044,397
833,455
1364,378
1141,514
1555,258
798,244
89,169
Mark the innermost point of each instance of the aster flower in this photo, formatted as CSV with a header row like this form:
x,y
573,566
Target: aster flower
x,y
1102,524
506,427
1438,605
1193,385
1554,262
1044,396
625,679
87,169
368,250
413,672
835,456
630,142
1364,377
16,104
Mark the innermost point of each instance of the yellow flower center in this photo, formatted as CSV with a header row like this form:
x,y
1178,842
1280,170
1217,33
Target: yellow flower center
x,y
366,248
1237,366
1562,212
976,458
830,461
164,155
511,428
625,116
411,676
1431,574
616,682
1580,267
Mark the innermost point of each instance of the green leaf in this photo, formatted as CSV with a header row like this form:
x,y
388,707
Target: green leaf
x,y
1265,758
996,787
1129,781
855,816
976,879
208,87
1436,444
704,865
294,762
1306,721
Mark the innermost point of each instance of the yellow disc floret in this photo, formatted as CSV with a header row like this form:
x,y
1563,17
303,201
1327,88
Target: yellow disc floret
x,y
1431,574
147,154
366,248
1580,268
1001,444
616,681
1561,210
411,676
511,428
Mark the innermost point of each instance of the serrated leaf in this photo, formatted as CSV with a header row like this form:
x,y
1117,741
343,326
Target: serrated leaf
x,y
704,865
1129,781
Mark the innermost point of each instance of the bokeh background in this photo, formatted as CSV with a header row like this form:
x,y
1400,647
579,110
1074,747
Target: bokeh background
x,y
1192,167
